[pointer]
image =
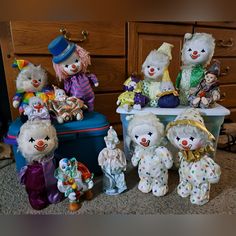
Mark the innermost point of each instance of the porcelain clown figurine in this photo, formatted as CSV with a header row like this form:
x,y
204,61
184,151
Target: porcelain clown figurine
x,y
37,141
132,97
197,169
207,93
70,63
154,68
66,108
113,163
74,180
197,52
31,81
36,109
153,160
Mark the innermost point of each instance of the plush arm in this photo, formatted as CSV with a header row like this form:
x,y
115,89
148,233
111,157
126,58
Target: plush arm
x,y
94,79
136,157
213,171
17,99
165,156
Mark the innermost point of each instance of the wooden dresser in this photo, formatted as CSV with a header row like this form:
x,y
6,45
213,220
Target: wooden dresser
x,y
116,49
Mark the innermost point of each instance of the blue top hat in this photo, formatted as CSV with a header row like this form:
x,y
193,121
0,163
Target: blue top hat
x,y
61,49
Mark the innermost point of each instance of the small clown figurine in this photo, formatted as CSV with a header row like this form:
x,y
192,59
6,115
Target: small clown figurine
x,y
197,170
113,163
153,160
70,63
36,109
132,97
207,93
66,108
74,180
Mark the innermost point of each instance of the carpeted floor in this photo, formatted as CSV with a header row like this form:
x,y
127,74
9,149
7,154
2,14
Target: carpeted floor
x,y
13,198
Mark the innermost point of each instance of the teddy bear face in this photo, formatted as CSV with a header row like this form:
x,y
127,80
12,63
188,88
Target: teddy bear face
x,y
187,137
31,79
37,139
145,135
154,65
72,65
210,78
198,50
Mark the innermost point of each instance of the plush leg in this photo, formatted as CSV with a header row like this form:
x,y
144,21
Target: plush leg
x,y
184,188
200,194
145,185
159,189
79,116
196,101
74,206
205,101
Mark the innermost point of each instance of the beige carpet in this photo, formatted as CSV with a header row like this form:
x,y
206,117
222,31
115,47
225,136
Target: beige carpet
x,y
13,198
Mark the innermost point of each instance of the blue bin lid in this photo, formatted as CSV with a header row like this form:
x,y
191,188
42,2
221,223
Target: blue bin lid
x,y
92,121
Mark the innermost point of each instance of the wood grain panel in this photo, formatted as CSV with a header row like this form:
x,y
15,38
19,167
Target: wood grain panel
x,y
143,37
225,24
229,92
228,70
232,115
105,38
106,104
221,34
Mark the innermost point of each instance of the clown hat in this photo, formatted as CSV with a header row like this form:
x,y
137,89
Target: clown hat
x,y
20,64
61,49
214,68
112,136
166,76
192,117
166,48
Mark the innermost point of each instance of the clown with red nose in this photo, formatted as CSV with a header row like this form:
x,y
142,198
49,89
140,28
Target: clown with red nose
x,y
197,53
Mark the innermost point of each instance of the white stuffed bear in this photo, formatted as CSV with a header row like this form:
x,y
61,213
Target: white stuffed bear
x,y
197,169
31,81
147,132
154,68
37,141
197,52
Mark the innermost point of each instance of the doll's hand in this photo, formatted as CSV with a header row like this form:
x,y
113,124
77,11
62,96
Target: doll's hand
x,y
96,84
118,103
16,104
90,184
216,96
192,90
72,196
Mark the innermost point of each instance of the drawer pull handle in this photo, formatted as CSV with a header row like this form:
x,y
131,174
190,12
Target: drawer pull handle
x,y
225,43
67,35
225,71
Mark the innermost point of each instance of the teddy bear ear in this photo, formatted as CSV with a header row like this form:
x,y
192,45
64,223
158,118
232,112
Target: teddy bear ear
x,y
188,36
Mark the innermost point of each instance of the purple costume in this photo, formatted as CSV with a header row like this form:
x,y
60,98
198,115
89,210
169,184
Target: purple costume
x,y
79,86
40,184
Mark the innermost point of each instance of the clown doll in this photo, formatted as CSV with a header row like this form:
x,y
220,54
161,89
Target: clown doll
x,y
70,63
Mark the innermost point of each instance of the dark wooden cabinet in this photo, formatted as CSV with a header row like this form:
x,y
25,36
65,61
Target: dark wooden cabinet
x,y
117,50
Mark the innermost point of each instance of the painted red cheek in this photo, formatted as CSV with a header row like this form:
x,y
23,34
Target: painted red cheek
x,y
143,140
184,142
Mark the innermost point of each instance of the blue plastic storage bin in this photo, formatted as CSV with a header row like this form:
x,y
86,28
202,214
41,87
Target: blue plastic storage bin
x,y
81,139
213,118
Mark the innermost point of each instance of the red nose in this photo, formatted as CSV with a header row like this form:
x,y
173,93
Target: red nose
x,y
195,52
143,140
185,142
35,81
152,69
73,66
40,143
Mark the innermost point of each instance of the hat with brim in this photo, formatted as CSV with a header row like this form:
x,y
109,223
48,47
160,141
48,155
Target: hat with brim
x,y
61,49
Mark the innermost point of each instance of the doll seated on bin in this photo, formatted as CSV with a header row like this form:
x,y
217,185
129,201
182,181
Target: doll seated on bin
x,y
113,163
74,180
66,108
132,97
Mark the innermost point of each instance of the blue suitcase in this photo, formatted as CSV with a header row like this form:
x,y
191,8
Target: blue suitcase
x,y
81,139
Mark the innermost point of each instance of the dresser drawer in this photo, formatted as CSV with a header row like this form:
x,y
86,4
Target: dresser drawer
x,y
225,40
104,38
225,24
228,70
232,115
229,92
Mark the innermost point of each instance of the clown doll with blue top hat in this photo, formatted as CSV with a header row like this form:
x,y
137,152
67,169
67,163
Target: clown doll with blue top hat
x,y
70,63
